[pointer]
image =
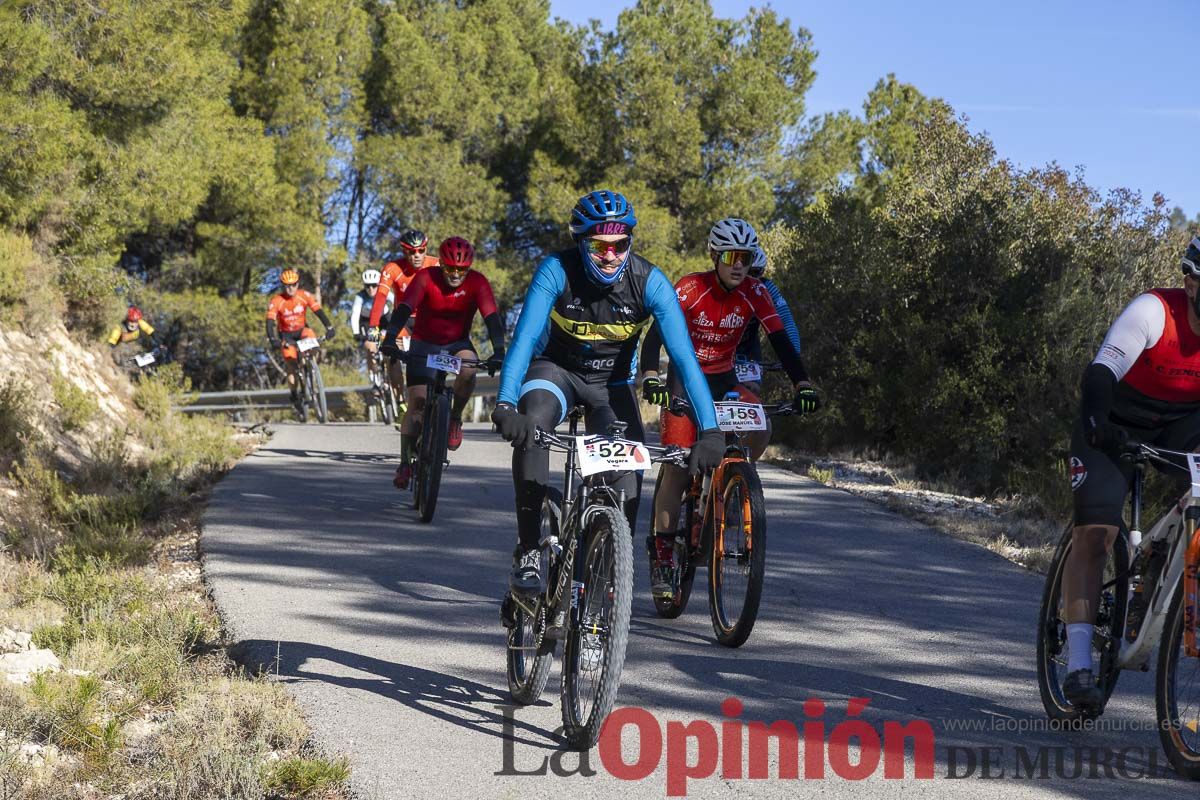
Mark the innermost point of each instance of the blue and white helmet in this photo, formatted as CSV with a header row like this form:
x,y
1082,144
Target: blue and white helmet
x,y
759,265
601,213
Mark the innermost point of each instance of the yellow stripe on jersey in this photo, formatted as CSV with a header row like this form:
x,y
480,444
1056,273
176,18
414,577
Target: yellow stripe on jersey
x,y
597,331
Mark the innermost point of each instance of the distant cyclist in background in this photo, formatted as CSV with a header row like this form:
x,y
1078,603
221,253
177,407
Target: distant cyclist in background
x,y
392,282
444,299
287,322
129,335
360,319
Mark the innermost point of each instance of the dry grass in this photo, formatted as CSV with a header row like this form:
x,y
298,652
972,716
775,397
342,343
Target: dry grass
x,y
101,563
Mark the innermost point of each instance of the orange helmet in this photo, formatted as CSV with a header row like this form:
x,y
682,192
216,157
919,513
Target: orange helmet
x,y
289,277
134,314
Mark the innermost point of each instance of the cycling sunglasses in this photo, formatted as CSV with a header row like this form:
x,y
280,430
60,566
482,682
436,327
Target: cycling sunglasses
x,y
455,270
599,247
730,257
419,250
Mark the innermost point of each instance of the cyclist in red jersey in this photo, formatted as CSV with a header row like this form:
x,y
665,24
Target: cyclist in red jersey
x,y
1144,384
448,298
717,305
395,279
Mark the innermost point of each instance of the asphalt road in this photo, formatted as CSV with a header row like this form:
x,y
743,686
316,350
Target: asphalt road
x,y
387,632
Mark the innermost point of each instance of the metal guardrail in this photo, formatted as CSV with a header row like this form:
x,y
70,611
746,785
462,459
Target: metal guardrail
x,y
276,399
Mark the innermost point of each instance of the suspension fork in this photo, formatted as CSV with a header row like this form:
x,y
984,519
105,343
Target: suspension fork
x,y
1191,584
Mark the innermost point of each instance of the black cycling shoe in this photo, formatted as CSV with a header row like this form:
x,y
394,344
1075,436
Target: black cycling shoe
x,y
526,577
1081,690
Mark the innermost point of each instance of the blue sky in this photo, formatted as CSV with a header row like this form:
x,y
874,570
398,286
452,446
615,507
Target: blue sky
x,y
1109,86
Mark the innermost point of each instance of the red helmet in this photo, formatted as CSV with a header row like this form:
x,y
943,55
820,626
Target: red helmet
x,y
134,314
456,252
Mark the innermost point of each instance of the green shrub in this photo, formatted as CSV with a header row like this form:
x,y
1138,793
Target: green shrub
x,y
948,313
16,254
16,417
73,713
305,777
76,408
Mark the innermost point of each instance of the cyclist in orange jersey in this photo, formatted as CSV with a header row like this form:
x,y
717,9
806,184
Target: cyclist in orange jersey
x,y
287,321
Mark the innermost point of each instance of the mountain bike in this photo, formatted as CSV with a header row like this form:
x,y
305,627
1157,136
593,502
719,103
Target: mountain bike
x,y
383,397
312,385
1148,597
435,429
587,558
723,521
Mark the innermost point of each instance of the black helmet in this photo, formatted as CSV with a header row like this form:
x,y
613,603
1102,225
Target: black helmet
x,y
1191,258
412,240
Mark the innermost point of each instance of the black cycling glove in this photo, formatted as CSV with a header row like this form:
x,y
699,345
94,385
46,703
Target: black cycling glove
x,y
806,400
514,426
655,392
707,451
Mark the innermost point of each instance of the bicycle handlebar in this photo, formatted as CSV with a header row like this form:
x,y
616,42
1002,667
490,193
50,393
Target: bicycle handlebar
x,y
1140,452
658,455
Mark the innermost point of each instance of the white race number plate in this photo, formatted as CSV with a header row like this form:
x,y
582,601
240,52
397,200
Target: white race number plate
x,y
445,362
304,345
601,454
748,371
144,360
741,417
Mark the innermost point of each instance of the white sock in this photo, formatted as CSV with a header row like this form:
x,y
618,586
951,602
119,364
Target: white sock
x,y
1079,646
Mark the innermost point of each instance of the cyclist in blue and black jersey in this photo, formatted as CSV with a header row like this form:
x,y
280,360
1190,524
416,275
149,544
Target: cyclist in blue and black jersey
x,y
576,342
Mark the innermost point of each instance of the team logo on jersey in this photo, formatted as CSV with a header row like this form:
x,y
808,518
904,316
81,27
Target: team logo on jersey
x,y
681,294
626,310
460,293
703,321
1078,473
733,320
575,305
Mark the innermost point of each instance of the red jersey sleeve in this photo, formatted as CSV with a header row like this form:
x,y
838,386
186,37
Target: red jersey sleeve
x,y
689,291
310,300
485,301
273,308
763,306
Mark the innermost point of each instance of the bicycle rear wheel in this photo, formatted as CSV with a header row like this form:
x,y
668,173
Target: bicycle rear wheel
x,y
530,654
594,653
387,400
318,390
1177,695
433,455
672,607
1052,656
738,555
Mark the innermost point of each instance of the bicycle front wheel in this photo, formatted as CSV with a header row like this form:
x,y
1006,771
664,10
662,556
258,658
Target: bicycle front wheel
x,y
594,653
1052,645
530,652
738,556
433,455
1177,695
387,400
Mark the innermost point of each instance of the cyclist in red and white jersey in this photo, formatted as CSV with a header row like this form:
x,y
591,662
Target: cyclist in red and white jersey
x,y
447,298
1143,384
718,305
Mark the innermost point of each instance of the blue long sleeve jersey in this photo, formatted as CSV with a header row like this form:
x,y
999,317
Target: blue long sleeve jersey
x,y
749,347
594,331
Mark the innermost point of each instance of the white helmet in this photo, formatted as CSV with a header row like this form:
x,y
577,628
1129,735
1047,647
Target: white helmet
x,y
759,265
732,234
371,277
